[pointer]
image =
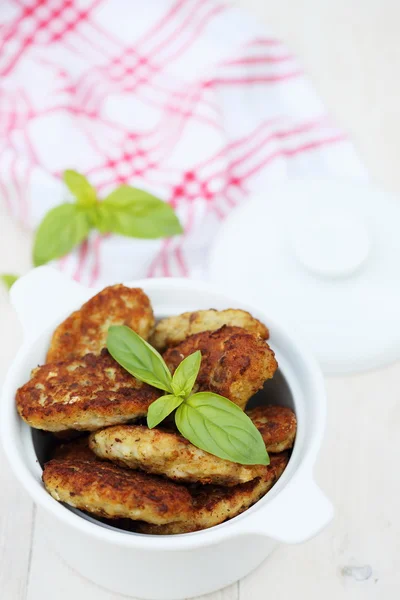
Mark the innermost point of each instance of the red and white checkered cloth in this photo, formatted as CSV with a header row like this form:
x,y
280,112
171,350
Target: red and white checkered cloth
x,y
189,99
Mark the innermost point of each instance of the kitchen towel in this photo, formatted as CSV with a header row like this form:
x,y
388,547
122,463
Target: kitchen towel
x,y
189,99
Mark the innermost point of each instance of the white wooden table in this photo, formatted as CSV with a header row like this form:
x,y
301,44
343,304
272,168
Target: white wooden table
x,y
352,52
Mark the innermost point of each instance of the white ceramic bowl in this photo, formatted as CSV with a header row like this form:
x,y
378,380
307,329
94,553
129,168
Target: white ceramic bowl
x,y
182,566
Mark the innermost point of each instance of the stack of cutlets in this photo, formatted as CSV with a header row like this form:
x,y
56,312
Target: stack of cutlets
x,y
151,481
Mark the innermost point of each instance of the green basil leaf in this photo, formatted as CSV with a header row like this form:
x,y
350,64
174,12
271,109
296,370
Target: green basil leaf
x,y
136,213
216,425
138,358
186,373
63,228
161,408
8,279
80,187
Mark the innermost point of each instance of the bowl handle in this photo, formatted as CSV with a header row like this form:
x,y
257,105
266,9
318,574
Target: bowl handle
x,y
43,295
296,514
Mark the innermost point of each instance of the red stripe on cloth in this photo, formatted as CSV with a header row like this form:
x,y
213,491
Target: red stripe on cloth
x,y
56,14
153,267
80,111
195,32
181,93
165,268
10,29
245,147
4,194
63,262
247,80
259,60
24,194
83,253
264,42
21,204
160,262
190,222
182,118
217,211
232,203
70,46
155,51
108,35
32,153
237,143
184,272
174,10
88,94
289,153
89,44
13,60
95,273
303,128
173,107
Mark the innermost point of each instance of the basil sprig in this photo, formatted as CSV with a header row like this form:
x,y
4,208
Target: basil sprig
x,y
209,421
138,357
136,213
126,211
8,279
63,228
80,187
161,408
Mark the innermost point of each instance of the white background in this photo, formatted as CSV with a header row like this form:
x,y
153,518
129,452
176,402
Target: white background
x,y
351,49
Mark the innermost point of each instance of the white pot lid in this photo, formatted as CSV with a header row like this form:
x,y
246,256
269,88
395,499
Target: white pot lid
x,y
324,256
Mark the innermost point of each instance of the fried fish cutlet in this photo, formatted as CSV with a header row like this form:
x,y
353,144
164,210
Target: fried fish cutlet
x,y
85,331
173,330
213,505
234,363
108,491
170,454
167,453
277,425
84,394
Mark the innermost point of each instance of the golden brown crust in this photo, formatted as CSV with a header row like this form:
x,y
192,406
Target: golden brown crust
x,y
84,394
105,490
213,505
234,364
169,454
85,331
277,425
173,330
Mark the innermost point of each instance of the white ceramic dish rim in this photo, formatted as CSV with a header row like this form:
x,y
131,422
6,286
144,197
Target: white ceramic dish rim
x,y
296,481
